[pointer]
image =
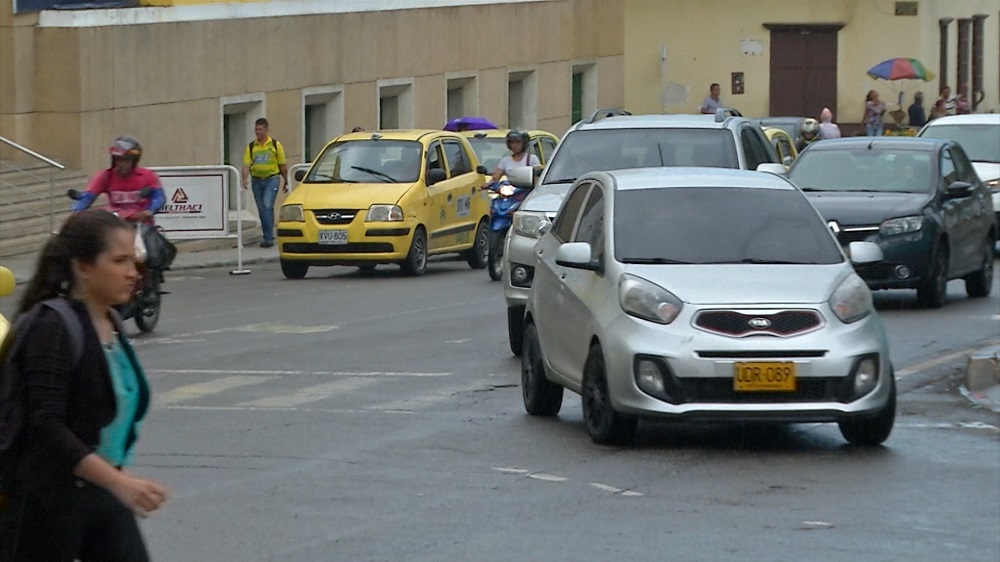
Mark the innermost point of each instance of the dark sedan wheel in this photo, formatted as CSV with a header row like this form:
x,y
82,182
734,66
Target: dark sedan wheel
x,y
605,425
980,283
416,261
934,290
874,430
541,397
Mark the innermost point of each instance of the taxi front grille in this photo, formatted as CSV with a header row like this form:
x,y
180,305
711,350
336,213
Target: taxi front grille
x,y
783,323
335,216
349,248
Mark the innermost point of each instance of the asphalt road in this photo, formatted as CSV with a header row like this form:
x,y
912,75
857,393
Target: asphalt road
x,y
353,417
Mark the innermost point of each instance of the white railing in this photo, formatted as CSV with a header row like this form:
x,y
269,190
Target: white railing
x,y
50,163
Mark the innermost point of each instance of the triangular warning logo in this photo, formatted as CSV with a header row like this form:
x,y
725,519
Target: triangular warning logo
x,y
179,197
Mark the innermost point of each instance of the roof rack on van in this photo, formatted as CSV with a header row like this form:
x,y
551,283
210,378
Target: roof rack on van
x,y
723,112
602,113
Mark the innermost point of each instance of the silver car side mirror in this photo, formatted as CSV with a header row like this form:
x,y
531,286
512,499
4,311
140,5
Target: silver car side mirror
x,y
864,252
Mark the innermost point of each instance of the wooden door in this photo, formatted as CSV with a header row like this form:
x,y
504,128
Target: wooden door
x,y
803,71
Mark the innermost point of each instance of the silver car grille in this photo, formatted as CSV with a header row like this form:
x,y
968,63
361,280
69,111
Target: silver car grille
x,y
782,323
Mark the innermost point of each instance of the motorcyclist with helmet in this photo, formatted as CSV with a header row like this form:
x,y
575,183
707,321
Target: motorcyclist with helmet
x,y
808,134
123,181
517,143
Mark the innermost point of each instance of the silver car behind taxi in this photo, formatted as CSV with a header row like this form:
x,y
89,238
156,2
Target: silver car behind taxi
x,y
706,294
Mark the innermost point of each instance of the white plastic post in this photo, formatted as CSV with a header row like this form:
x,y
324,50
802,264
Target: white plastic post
x,y
240,270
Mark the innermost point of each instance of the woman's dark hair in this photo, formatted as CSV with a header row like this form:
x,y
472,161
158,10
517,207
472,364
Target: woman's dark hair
x,y
83,237
869,96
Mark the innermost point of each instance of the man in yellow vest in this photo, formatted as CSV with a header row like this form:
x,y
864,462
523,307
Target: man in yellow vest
x,y
263,164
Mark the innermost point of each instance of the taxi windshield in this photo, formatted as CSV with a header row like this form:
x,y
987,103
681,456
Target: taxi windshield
x,y
489,150
367,161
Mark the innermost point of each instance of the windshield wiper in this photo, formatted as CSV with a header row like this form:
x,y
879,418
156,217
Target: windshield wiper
x,y
564,180
654,261
376,173
763,261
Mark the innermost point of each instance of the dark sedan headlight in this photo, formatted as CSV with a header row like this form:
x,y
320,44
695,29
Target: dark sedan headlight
x,y
902,225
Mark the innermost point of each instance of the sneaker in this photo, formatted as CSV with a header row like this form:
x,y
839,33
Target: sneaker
x,y
266,244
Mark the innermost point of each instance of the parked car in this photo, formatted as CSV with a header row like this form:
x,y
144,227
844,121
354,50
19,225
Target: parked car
x,y
7,285
386,197
702,294
491,145
614,140
979,135
920,200
791,125
783,144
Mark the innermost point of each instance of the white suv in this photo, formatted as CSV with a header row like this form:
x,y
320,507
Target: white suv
x,y
979,135
616,140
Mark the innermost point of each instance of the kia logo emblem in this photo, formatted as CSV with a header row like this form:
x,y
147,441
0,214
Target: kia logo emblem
x,y
759,323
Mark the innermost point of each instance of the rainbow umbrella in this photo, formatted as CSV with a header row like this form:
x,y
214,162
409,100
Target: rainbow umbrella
x,y
901,68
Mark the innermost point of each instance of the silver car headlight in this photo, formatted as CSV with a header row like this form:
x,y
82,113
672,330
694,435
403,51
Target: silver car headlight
x,y
291,213
384,213
852,300
646,300
527,223
903,225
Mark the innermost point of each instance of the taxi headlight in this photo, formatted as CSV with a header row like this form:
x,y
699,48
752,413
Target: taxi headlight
x,y
852,300
646,300
384,213
528,224
903,225
291,213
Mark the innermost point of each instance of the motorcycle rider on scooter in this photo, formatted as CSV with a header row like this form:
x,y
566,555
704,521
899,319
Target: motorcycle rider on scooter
x,y
122,183
517,143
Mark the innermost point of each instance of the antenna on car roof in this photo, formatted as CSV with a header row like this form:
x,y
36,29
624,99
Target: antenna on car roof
x,y
723,112
604,113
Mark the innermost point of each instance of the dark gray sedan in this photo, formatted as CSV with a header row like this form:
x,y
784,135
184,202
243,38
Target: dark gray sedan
x,y
920,200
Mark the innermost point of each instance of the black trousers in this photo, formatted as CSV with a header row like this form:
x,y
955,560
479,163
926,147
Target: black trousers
x,y
78,521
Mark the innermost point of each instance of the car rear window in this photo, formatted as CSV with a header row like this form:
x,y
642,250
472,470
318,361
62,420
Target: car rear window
x,y
880,170
367,161
489,151
701,225
583,152
981,142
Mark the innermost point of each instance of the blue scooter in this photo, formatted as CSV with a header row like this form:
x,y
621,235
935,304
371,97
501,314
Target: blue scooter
x,y
505,199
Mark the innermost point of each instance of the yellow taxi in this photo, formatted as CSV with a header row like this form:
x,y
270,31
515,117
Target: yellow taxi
x,y
7,285
386,197
783,145
491,145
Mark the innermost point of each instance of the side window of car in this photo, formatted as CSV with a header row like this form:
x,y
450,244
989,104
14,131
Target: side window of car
x,y
753,149
566,220
548,147
458,161
966,172
591,229
948,172
434,158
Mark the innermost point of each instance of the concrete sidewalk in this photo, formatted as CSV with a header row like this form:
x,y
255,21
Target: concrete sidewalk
x,y
23,267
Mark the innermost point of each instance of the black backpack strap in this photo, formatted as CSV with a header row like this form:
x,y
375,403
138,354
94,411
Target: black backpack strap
x,y
73,325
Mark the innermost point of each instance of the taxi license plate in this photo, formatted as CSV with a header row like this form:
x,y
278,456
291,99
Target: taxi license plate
x,y
333,237
764,377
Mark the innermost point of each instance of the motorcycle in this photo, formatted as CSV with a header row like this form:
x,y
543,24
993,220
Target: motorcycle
x,y
505,200
145,301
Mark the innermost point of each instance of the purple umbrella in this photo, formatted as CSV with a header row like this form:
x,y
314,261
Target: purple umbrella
x,y
469,124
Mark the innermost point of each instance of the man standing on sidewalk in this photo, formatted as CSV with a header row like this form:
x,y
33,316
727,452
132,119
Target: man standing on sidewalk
x,y
263,163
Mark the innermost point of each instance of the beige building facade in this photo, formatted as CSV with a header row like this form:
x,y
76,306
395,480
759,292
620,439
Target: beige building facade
x,y
189,80
792,57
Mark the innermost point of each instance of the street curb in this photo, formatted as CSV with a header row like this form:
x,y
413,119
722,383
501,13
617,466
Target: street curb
x,y
982,379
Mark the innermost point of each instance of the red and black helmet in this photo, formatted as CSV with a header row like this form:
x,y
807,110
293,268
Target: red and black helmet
x,y
125,147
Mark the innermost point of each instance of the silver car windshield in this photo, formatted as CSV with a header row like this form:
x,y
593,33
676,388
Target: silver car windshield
x,y
715,225
367,161
582,152
981,142
885,170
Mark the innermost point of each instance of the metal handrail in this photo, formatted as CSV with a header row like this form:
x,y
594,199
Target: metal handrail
x,y
52,164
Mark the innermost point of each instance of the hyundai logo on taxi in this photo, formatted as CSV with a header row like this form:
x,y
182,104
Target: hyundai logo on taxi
x,y
759,323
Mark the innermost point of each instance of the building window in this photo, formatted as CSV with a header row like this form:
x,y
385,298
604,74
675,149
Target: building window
x,y
395,104
238,116
461,97
522,99
584,91
322,118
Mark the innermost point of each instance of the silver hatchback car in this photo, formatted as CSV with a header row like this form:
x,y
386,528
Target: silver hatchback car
x,y
706,294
